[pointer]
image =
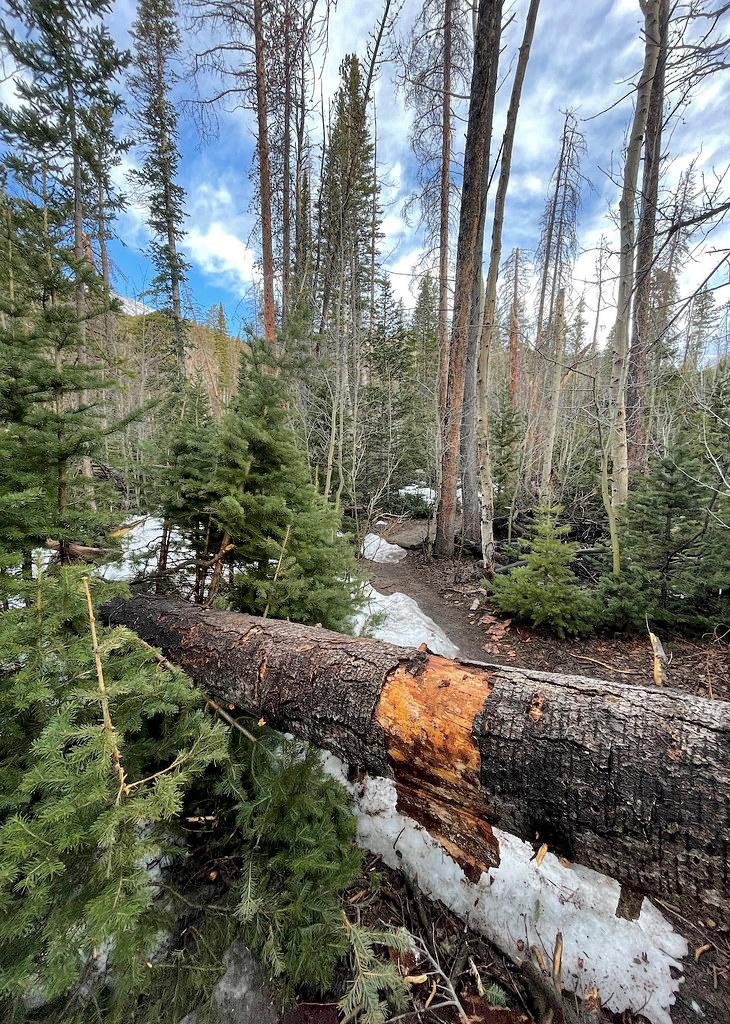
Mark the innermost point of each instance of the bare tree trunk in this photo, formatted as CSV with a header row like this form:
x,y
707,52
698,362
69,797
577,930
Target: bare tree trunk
x,y
641,341
488,325
286,169
554,399
626,276
468,261
267,250
443,322
514,337
628,780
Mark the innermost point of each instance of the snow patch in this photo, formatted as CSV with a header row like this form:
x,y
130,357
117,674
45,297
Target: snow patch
x,y
402,622
375,549
133,307
421,490
520,904
139,550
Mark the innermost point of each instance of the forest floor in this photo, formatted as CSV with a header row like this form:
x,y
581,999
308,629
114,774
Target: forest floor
x,y
451,593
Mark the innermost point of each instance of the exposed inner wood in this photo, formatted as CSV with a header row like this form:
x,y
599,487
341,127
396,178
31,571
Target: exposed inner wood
x,y
428,717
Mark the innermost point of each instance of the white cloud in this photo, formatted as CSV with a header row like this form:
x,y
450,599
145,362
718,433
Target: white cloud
x,y
223,255
405,275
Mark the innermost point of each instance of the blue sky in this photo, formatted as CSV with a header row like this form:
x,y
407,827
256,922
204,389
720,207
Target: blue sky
x,y
584,56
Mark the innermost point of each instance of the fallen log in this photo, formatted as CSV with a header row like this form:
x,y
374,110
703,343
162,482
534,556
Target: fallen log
x,y
631,781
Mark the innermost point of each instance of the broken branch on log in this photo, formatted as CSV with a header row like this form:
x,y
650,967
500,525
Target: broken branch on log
x,y
628,780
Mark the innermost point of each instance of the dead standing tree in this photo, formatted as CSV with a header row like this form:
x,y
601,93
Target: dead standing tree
x,y
627,256
468,258
555,255
641,340
490,302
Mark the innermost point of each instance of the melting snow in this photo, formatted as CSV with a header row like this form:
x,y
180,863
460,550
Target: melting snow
x,y
375,549
427,493
520,904
139,550
402,622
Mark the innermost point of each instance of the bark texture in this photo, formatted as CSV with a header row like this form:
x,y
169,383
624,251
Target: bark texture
x,y
631,781
627,257
468,260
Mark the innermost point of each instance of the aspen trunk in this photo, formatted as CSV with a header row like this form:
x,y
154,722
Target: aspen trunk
x,y
631,781
626,277
267,249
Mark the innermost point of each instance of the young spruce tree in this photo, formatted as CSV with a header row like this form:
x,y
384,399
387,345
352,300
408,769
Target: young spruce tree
x,y
546,591
266,540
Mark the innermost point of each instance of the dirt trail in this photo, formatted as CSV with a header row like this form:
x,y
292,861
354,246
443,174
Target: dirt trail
x,y
451,593
406,578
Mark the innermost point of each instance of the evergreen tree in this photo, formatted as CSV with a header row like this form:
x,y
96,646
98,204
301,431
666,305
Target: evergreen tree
x,y
255,511
507,432
51,289
389,399
157,39
95,759
422,425
299,856
68,63
675,541
546,591
47,425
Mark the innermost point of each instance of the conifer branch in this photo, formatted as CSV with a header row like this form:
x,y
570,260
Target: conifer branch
x,y
278,567
106,714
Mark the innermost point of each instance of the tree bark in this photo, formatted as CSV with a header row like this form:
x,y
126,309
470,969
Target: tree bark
x,y
267,247
640,339
488,325
286,168
445,196
468,257
631,781
626,276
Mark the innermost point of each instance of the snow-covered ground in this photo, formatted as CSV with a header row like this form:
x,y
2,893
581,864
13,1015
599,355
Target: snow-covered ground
x,y
139,549
376,549
402,622
421,490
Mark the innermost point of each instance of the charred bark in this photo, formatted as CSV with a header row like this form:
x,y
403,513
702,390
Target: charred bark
x,y
632,781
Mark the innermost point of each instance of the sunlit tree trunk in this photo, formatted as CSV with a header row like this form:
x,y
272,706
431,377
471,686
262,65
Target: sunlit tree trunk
x,y
468,258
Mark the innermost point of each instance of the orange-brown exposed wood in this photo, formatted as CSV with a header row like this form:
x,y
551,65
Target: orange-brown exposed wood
x,y
428,718
629,780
